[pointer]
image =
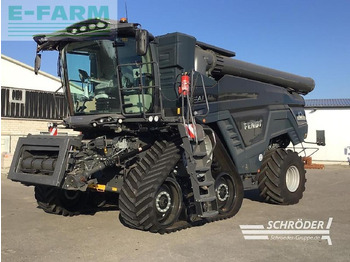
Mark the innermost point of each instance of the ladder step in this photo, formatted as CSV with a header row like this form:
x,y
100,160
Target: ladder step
x,y
211,213
206,183
207,199
202,169
199,154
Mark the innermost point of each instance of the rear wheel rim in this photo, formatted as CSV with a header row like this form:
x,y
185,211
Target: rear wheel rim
x,y
292,178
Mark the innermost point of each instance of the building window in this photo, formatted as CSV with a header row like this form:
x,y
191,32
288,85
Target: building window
x,y
17,96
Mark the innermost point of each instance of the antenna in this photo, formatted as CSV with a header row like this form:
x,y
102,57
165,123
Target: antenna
x,y
126,12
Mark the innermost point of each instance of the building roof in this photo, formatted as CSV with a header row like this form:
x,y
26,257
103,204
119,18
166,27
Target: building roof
x,y
327,103
15,74
14,61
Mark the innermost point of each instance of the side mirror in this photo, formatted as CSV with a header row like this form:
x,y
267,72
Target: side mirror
x,y
141,42
37,63
83,75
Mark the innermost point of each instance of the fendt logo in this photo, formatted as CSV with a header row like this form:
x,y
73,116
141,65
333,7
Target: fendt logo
x,y
21,19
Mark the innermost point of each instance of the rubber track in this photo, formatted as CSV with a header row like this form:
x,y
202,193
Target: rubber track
x,y
181,225
140,185
47,199
142,182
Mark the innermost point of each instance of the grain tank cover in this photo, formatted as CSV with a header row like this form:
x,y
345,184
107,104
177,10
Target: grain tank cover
x,y
217,62
218,50
298,84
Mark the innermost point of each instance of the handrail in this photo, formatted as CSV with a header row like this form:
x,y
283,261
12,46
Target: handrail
x,y
141,89
194,86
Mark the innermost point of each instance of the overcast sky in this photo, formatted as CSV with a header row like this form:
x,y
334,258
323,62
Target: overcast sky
x,y
305,37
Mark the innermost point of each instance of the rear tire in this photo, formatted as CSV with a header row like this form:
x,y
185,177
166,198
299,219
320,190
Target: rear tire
x,y
57,201
282,178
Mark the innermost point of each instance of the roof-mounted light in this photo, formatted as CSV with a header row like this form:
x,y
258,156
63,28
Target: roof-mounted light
x,y
123,20
87,27
83,28
101,25
92,26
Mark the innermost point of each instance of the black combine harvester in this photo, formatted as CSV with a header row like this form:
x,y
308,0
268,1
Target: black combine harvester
x,y
176,127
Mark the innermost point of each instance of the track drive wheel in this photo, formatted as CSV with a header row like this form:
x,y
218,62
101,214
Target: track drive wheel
x,y
229,193
228,183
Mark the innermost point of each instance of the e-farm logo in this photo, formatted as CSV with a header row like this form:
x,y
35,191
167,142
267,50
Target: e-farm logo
x,y
300,229
21,19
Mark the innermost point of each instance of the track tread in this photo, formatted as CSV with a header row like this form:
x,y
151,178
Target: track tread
x,y
161,158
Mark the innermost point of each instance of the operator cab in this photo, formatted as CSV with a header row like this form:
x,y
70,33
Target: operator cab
x,y
106,67
96,69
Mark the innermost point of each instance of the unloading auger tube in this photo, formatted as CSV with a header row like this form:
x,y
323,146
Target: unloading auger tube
x,y
218,65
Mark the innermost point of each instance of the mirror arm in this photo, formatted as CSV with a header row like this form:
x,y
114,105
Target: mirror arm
x,y
37,63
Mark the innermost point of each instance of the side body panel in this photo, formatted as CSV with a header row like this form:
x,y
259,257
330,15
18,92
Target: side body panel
x,y
248,114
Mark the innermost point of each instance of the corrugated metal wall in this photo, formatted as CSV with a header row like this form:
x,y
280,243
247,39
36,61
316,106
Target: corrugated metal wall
x,y
20,103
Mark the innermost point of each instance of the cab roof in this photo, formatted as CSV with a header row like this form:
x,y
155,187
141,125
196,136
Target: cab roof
x,y
95,28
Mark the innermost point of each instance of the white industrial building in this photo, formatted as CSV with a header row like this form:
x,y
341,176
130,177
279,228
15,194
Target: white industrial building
x,y
27,103
332,116
15,74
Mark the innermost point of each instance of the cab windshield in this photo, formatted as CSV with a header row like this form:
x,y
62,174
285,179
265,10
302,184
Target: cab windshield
x,y
95,75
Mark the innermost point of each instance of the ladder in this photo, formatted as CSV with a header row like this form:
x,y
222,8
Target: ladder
x,y
198,143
